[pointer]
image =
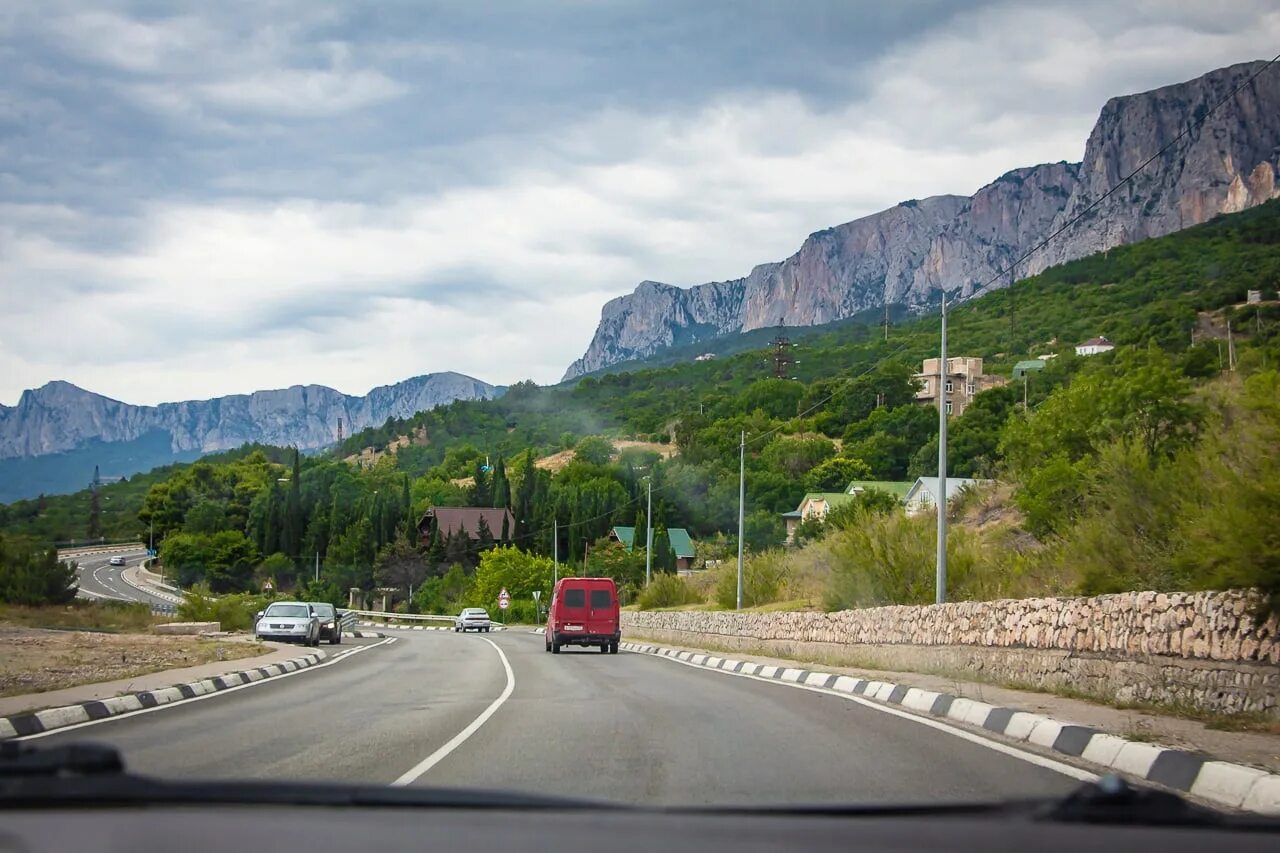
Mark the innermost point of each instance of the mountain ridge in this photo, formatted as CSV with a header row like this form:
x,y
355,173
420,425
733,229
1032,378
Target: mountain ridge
x,y
60,416
910,253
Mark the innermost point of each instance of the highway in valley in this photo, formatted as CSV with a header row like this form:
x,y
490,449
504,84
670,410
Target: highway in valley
x,y
497,712
101,580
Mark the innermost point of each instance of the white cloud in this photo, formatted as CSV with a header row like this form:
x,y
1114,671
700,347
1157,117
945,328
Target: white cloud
x,y
495,257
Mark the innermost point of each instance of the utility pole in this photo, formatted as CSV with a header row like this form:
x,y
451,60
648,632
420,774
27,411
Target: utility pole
x,y
1231,350
318,570
742,499
586,549
555,552
648,531
941,581
886,319
1024,391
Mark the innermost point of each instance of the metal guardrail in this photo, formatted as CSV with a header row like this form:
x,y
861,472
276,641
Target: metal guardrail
x,y
347,619
409,617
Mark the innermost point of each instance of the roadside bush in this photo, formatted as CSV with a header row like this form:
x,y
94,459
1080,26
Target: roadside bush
x,y
890,559
666,590
31,574
234,612
82,614
763,580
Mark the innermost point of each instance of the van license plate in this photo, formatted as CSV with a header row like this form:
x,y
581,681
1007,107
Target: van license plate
x,y
573,627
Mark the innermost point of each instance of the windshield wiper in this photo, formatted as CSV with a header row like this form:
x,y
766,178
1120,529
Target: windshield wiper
x,y
73,759
80,774
1113,800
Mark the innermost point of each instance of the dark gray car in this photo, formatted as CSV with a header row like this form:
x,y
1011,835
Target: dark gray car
x,y
330,626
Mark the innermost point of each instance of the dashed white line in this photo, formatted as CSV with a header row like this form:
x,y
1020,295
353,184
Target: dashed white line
x,y
461,737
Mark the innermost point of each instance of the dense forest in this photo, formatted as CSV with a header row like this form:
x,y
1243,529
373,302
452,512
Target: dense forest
x,y
1089,434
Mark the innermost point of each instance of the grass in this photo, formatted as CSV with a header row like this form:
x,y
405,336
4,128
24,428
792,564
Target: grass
x,y
102,616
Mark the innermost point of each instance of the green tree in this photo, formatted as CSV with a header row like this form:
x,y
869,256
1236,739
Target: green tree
x,y
32,575
835,474
794,457
400,565
501,488
593,450
481,493
510,568
763,529
205,517
278,569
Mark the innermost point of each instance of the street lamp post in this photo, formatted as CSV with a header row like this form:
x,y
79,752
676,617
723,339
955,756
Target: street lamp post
x,y
648,531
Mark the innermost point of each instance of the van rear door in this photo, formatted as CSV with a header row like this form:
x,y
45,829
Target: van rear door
x,y
571,613
602,608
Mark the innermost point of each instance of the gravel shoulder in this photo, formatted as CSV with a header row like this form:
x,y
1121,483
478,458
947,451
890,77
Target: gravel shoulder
x,y
37,660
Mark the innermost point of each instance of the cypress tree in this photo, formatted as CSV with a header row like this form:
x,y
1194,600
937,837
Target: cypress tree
x,y
484,536
481,495
501,489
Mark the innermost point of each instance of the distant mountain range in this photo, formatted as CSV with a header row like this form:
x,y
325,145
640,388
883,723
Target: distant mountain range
x,y
51,440
909,254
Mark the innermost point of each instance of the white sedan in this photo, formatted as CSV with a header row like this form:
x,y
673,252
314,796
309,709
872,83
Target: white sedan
x,y
289,620
472,619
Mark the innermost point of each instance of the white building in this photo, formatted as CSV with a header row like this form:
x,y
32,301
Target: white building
x,y
1095,346
923,494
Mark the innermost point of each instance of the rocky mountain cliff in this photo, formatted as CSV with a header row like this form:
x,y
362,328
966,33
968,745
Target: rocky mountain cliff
x,y
911,253
60,416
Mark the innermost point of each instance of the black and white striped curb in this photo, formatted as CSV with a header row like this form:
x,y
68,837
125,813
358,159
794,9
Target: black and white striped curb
x,y
38,722
367,635
420,627
1221,782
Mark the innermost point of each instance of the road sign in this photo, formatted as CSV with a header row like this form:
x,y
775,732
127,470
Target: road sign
x,y
267,585
504,600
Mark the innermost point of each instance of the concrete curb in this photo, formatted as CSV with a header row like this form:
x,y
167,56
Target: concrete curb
x,y
1233,785
38,722
387,626
368,635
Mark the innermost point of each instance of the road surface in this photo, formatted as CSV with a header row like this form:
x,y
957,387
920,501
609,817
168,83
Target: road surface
x,y
627,727
99,579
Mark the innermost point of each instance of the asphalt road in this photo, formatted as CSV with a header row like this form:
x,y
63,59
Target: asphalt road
x,y
99,579
630,727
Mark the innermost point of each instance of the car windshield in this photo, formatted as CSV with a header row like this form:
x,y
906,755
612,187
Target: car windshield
x,y
670,403
287,610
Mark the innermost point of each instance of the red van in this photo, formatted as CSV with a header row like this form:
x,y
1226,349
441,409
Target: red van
x,y
584,612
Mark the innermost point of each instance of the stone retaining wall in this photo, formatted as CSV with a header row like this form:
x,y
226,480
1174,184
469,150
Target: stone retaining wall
x,y
1203,650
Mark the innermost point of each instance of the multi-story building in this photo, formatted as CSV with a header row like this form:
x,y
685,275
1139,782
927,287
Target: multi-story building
x,y
964,380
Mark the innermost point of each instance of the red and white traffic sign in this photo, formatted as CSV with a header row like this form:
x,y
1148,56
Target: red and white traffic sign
x,y
504,600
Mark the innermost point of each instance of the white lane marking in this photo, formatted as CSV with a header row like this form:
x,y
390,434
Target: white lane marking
x,y
461,737
1029,757
179,704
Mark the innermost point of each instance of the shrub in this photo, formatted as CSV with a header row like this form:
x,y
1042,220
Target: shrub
x,y
234,612
667,591
763,580
30,574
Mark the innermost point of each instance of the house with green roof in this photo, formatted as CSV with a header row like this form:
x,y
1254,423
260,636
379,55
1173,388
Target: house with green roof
x,y
678,537
818,504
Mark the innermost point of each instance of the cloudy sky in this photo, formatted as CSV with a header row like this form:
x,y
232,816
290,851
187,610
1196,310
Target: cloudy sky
x,y
232,196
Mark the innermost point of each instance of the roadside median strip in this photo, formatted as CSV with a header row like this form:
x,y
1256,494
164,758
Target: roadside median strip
x,y
39,722
1233,785
389,626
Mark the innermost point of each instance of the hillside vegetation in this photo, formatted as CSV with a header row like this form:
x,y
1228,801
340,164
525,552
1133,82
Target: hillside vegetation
x,y
1147,466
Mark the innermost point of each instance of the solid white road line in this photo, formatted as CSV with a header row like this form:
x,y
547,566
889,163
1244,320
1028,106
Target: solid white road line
x,y
1029,757
461,737
336,659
